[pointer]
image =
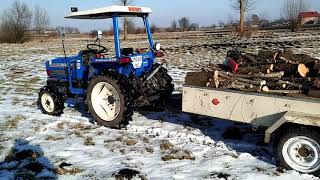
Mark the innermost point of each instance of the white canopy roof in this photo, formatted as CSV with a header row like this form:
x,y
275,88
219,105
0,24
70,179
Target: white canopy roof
x,y
108,12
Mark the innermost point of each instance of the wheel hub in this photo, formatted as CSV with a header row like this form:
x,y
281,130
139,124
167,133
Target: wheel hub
x,y
47,102
105,101
111,99
304,152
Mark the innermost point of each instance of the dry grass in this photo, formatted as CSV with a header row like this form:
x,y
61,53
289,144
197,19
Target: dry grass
x,y
145,140
88,141
12,122
171,153
34,80
150,150
109,141
15,101
130,142
177,154
166,145
1,148
54,138
60,126
100,133
80,126
77,133
71,171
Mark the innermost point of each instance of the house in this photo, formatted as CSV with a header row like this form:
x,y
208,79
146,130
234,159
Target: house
x,y
308,17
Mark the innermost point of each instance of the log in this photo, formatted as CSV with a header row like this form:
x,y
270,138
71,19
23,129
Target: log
x,y
303,70
293,69
298,79
250,57
198,78
286,61
243,87
317,65
277,85
314,93
292,84
243,80
285,91
251,76
287,56
267,56
315,71
256,69
316,83
216,78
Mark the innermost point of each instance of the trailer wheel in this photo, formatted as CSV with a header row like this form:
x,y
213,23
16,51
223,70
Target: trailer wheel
x,y
298,148
109,100
50,101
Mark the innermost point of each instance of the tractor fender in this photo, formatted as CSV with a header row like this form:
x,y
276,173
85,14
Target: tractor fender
x,y
125,70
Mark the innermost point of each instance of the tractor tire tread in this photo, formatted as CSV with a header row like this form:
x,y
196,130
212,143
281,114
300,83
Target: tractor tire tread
x,y
58,100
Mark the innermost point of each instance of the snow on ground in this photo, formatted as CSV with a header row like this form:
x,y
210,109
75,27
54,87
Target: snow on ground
x,y
155,145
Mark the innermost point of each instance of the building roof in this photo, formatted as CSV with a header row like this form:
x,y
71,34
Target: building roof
x,y
108,12
308,14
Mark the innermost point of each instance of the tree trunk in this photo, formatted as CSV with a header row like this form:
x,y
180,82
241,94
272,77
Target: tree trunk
x,y
242,9
125,29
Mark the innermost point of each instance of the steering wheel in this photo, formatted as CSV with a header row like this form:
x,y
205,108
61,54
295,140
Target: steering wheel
x,y
97,48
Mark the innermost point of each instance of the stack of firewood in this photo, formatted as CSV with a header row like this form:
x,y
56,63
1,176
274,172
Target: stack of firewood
x,y
270,71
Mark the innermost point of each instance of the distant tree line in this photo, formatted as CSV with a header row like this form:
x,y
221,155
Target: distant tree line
x,y
20,21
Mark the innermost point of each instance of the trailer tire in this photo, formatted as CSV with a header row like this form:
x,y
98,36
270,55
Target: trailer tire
x,y
116,108
298,148
50,101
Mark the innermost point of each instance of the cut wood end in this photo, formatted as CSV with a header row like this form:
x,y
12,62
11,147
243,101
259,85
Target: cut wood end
x,y
271,67
265,89
303,70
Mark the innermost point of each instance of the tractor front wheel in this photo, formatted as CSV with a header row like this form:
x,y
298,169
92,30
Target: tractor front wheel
x,y
109,100
50,101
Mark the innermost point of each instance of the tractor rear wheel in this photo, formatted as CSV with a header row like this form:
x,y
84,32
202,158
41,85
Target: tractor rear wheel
x,y
50,101
155,92
109,100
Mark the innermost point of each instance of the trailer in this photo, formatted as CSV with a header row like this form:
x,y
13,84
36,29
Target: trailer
x,y
291,123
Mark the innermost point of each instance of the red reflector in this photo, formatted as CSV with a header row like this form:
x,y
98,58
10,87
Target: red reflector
x,y
215,101
158,54
99,56
125,60
49,73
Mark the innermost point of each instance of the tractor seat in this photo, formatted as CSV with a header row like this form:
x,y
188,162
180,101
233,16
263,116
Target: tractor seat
x,y
127,51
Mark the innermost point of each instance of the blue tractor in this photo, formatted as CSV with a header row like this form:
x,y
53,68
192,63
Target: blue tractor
x,y
112,87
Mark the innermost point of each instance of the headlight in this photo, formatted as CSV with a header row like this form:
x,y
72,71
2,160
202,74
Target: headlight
x,y
157,46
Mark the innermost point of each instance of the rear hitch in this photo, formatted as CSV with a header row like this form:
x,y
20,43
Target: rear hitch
x,y
155,72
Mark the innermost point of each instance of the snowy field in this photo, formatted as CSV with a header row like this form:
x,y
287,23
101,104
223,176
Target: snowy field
x,y
155,145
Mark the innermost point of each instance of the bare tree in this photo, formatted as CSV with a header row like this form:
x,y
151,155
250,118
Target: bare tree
x,y
242,6
184,23
221,24
41,20
125,21
154,28
131,27
174,25
291,9
15,22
